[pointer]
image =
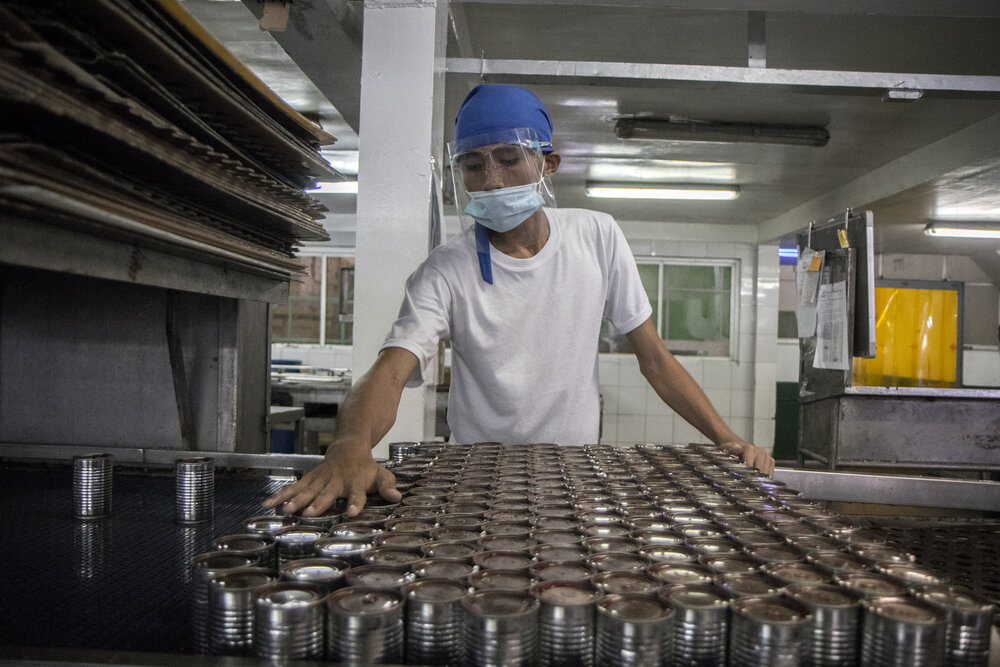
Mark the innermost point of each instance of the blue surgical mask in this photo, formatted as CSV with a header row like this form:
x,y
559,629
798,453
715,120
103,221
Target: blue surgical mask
x,y
505,208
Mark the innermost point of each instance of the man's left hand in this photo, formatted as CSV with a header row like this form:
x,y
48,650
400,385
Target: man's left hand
x,y
752,455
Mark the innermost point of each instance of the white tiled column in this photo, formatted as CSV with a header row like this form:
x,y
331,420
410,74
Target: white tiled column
x,y
765,346
400,140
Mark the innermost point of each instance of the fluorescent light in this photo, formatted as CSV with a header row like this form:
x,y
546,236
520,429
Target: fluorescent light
x,y
684,129
788,252
964,230
335,188
662,191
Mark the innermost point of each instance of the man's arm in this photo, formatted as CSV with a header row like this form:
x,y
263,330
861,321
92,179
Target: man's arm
x,y
677,388
349,470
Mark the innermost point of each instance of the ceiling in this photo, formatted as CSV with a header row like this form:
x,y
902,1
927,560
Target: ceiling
x,y
770,62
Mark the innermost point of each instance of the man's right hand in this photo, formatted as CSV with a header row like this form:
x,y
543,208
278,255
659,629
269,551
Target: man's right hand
x,y
342,474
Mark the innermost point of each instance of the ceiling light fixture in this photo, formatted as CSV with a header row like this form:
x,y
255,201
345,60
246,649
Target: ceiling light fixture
x,y
334,188
964,230
662,191
701,130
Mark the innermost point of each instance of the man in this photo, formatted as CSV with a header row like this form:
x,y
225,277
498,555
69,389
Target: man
x,y
521,295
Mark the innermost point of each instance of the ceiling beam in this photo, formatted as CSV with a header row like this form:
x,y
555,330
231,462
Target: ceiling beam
x,y
324,40
971,145
566,72
930,8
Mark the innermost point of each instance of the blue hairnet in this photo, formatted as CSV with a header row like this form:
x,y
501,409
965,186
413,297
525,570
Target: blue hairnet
x,y
498,109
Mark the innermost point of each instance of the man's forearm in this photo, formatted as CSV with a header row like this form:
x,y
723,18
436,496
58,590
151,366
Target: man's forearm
x,y
369,410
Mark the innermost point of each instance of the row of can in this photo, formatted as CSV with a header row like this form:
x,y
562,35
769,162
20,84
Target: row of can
x,y
630,528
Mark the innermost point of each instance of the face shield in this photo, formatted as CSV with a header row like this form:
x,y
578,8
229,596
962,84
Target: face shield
x,y
499,178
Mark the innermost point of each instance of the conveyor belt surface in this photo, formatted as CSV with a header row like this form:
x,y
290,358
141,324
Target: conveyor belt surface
x,y
122,582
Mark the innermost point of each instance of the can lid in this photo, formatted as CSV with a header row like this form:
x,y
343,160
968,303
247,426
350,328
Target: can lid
x,y
500,603
618,561
299,535
953,598
732,563
797,573
771,609
561,570
357,529
442,568
435,590
635,608
698,596
669,553
870,584
289,594
444,549
501,580
392,556
334,546
626,582
502,560
823,595
314,569
267,523
222,560
743,585
245,578
912,574
681,573
242,542
566,593
905,610
365,600
378,576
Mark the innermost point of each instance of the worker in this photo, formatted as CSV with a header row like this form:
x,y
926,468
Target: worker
x,y
521,294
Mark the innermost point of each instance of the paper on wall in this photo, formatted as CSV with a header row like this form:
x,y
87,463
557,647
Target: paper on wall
x,y
807,273
831,328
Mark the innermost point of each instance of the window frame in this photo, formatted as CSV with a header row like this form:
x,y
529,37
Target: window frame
x,y
733,263
323,292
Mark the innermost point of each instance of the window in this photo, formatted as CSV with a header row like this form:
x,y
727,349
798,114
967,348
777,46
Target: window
x,y
320,308
694,306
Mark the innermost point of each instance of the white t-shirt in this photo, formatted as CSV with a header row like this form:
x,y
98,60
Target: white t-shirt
x,y
524,364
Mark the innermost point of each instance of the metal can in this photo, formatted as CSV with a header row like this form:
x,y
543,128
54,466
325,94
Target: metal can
x,y
561,571
617,561
633,630
261,546
346,548
289,621
518,561
501,580
796,573
871,585
434,621
968,617
296,542
500,628
701,622
446,549
768,630
194,489
378,576
267,524
204,568
836,620
364,626
681,573
444,568
327,573
566,622
92,484
626,583
393,556
231,609
903,632
740,585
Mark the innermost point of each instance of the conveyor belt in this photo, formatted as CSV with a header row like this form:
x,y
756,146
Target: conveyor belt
x,y
123,583
118,583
